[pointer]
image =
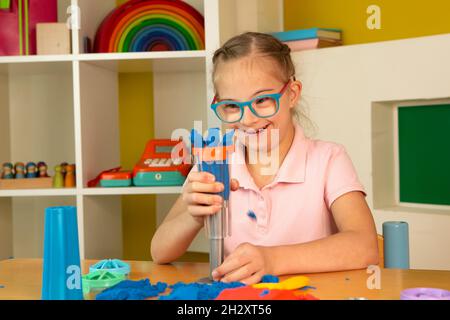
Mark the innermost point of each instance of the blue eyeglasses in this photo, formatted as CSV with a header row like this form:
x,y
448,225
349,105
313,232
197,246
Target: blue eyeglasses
x,y
264,106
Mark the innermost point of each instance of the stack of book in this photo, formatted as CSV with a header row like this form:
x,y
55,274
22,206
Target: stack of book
x,y
313,38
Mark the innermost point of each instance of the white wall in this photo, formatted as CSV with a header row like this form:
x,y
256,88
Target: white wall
x,y
340,86
237,16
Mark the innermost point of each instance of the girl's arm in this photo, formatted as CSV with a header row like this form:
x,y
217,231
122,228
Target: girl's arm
x,y
175,234
185,219
354,247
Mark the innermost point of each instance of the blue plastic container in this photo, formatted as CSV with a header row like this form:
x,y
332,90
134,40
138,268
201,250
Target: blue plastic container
x,y
396,245
61,279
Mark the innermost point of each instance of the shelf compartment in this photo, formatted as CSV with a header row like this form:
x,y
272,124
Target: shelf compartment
x,y
102,227
101,120
38,114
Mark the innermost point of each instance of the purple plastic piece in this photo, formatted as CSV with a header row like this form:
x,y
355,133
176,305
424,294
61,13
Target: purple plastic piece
x,y
425,294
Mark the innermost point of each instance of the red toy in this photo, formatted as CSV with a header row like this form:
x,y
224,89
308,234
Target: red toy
x,y
163,163
116,179
250,293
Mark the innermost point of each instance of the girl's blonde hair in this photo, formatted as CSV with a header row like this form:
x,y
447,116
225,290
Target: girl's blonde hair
x,y
263,45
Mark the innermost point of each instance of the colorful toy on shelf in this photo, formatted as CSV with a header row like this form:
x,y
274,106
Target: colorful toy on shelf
x,y
69,179
53,38
157,167
7,172
151,25
5,4
19,170
58,179
42,169
31,170
64,168
30,176
94,182
116,179
18,24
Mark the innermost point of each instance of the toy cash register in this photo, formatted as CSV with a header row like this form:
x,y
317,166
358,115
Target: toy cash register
x,y
157,167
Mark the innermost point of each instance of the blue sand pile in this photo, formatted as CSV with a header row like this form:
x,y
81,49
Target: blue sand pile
x,y
140,290
268,278
132,290
199,291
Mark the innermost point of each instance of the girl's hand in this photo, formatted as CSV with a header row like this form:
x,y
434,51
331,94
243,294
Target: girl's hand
x,y
247,264
199,195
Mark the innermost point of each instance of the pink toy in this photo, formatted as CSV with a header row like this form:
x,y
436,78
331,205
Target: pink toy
x,y
18,25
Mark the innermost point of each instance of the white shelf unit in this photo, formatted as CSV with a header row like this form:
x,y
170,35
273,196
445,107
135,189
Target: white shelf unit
x,y
75,119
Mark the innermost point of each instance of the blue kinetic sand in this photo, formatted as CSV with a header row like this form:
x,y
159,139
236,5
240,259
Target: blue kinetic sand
x,y
268,278
199,291
132,290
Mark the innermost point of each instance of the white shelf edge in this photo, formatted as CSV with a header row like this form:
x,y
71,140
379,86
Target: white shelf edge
x,y
141,55
131,191
36,58
104,56
38,192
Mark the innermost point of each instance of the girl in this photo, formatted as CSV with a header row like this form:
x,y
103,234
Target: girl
x,y
308,215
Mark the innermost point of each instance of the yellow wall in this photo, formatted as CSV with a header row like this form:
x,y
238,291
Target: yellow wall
x,y
399,18
136,128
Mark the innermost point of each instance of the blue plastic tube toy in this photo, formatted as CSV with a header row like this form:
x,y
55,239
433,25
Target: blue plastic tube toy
x,y
61,279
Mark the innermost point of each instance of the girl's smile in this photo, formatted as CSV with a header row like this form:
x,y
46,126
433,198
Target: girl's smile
x,y
255,131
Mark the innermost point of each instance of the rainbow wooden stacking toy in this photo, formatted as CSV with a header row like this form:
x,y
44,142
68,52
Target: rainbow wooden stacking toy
x,y
151,25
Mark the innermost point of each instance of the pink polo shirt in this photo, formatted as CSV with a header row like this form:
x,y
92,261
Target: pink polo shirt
x,y
295,207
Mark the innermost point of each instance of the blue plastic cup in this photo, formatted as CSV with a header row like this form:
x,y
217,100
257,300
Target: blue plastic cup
x,y
396,245
61,279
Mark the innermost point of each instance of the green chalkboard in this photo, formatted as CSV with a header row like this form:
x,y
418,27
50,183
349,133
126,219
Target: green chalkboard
x,y
424,154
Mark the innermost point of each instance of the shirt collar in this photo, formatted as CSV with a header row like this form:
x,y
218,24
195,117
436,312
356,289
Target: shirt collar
x,y
292,169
